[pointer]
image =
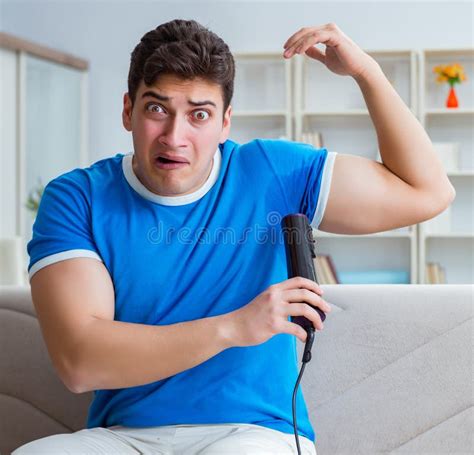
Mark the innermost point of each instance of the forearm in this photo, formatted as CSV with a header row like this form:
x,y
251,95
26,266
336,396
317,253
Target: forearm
x,y
405,147
114,354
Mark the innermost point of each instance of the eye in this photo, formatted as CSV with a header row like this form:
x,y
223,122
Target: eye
x,y
201,116
153,105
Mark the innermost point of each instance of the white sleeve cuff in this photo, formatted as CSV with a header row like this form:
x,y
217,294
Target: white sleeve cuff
x,y
324,190
70,254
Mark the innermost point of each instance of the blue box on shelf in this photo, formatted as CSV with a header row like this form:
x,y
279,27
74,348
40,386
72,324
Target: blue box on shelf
x,y
374,277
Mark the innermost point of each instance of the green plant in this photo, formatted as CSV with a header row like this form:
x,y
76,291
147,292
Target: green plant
x,y
34,198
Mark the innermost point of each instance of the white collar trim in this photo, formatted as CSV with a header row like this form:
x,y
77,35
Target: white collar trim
x,y
143,191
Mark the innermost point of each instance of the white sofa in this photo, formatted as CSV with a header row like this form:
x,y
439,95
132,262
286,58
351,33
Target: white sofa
x,y
392,372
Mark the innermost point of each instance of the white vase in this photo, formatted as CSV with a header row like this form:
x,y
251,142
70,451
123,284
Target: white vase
x,y
12,265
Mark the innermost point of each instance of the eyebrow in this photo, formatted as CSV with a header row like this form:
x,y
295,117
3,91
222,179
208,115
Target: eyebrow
x,y
167,98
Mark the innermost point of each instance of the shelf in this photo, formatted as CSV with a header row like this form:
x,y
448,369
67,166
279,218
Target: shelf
x,y
391,53
247,128
451,52
345,112
446,111
461,174
436,242
348,112
260,114
259,56
319,101
450,235
262,102
318,233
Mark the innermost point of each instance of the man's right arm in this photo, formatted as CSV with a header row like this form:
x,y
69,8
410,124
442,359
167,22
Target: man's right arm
x,y
74,300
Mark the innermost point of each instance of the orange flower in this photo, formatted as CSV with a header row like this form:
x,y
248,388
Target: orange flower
x,y
453,74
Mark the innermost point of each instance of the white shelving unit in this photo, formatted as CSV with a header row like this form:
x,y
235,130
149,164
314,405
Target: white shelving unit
x,y
262,97
317,100
449,238
43,94
335,107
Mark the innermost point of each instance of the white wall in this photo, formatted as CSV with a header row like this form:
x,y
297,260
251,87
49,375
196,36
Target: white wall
x,y
105,33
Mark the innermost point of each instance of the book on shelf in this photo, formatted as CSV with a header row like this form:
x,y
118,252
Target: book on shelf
x,y
435,273
315,138
325,270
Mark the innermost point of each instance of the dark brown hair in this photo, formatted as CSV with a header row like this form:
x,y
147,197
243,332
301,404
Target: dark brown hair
x,y
186,49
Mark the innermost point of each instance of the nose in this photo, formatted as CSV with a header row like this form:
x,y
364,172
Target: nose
x,y
173,135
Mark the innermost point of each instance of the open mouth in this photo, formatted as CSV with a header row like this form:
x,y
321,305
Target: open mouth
x,y
162,159
166,163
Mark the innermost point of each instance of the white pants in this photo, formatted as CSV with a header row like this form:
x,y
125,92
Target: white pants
x,y
221,439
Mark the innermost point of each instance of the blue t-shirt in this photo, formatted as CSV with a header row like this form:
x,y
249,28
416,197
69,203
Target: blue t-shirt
x,y
181,258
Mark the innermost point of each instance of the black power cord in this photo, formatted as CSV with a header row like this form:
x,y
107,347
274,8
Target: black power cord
x,y
300,256
306,359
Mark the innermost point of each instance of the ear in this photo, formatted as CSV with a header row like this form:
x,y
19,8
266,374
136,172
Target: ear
x,y
127,112
226,125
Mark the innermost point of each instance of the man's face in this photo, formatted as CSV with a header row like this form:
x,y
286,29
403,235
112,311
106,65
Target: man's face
x,y
176,118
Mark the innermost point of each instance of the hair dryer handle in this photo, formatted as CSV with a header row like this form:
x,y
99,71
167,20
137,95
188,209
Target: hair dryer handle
x,y
300,255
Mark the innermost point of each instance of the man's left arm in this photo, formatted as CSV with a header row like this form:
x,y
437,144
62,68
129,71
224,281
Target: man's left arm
x,y
366,196
405,147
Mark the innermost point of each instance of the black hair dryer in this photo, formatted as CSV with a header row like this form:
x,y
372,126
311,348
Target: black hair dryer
x,y
300,255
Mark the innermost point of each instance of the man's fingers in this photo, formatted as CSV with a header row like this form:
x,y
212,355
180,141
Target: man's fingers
x,y
304,295
305,31
294,329
309,40
300,282
306,41
292,48
317,54
307,37
321,36
302,309
295,37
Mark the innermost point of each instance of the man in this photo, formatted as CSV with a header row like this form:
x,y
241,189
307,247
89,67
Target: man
x,y
185,336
